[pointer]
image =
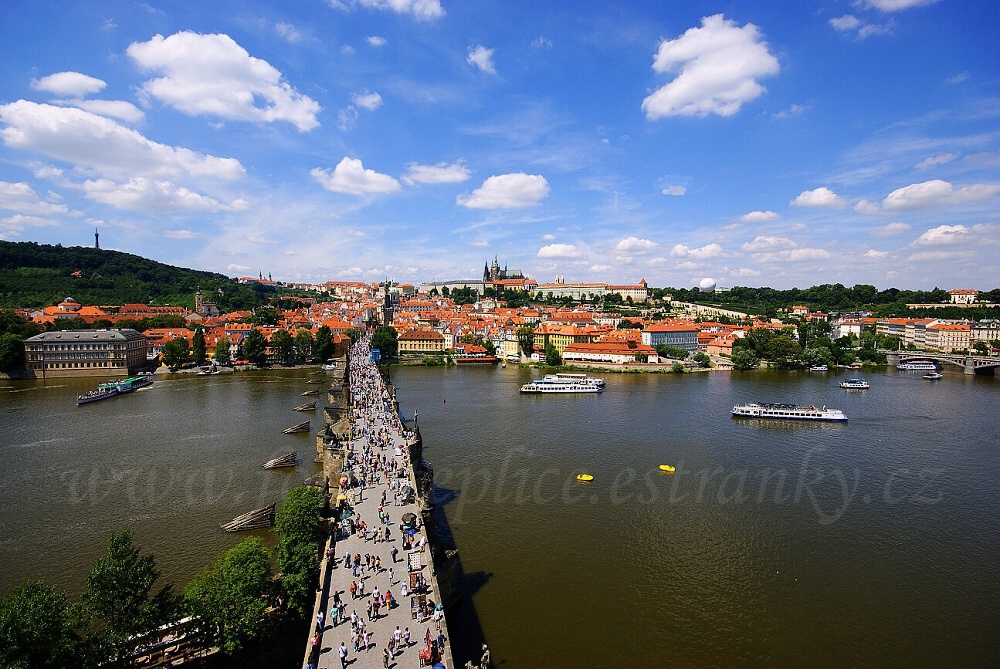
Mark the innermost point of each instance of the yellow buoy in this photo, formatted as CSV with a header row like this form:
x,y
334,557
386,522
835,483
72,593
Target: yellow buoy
x,y
584,477
667,468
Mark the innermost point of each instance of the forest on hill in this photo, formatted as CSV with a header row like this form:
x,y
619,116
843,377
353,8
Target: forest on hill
x,y
38,275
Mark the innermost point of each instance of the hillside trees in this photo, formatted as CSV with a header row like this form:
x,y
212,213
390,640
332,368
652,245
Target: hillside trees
x,y
299,536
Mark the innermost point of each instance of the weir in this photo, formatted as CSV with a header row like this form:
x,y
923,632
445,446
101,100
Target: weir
x,y
428,573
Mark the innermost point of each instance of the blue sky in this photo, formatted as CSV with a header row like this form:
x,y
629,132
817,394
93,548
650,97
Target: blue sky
x,y
779,144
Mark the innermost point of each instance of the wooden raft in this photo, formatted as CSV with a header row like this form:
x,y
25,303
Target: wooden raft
x,y
251,520
301,427
286,460
308,406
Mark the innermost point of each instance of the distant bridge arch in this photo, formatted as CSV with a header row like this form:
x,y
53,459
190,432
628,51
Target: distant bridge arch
x,y
970,364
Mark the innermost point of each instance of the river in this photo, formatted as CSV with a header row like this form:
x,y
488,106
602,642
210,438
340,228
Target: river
x,y
870,543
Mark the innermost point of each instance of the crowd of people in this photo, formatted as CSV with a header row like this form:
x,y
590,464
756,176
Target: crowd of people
x,y
376,473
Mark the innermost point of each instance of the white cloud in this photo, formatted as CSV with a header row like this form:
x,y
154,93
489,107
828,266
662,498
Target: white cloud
x,y
369,101
237,268
480,244
890,229
91,141
375,40
768,242
846,22
179,234
790,111
933,161
819,197
719,66
548,238
290,33
867,207
702,253
636,245
351,177
872,253
894,5
936,193
22,198
213,75
120,109
943,234
759,216
482,58
744,272
958,78
442,173
424,10
141,194
541,42
558,251
674,190
73,84
12,227
793,255
346,118
505,191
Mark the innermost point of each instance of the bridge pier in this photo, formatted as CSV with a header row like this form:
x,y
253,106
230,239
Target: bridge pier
x,y
892,359
969,367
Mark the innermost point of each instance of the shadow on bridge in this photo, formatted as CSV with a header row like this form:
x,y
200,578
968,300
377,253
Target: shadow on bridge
x,y
467,636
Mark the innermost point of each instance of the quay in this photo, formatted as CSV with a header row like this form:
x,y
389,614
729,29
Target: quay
x,y
372,462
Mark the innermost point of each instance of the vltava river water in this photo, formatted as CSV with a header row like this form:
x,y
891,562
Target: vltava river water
x,y
873,543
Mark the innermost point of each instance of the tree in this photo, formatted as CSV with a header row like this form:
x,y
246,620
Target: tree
x,y
323,346
283,347
198,352
552,357
303,345
222,350
386,340
11,352
176,353
117,598
677,367
255,348
526,339
665,351
265,316
702,359
981,347
744,358
299,535
38,629
231,597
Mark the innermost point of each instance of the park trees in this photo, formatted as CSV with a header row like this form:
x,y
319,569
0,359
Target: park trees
x,y
222,350
283,347
386,340
38,629
299,536
176,353
231,597
323,346
117,601
255,348
198,352
745,358
303,345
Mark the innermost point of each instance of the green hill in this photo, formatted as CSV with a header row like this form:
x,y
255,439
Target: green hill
x,y
38,275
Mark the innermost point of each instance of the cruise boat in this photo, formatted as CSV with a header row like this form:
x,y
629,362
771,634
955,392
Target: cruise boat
x,y
917,366
788,412
854,384
933,376
114,388
573,377
540,386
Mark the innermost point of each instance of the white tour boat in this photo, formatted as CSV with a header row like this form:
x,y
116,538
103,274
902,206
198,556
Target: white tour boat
x,y
917,366
854,384
540,386
569,378
788,412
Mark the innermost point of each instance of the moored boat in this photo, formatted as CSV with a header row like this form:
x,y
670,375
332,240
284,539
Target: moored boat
x,y
819,368
933,376
788,412
855,384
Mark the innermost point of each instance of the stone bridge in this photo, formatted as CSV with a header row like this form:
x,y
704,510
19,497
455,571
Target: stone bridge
x,y
970,364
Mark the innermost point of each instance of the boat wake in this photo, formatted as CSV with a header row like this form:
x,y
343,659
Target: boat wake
x,y
43,442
